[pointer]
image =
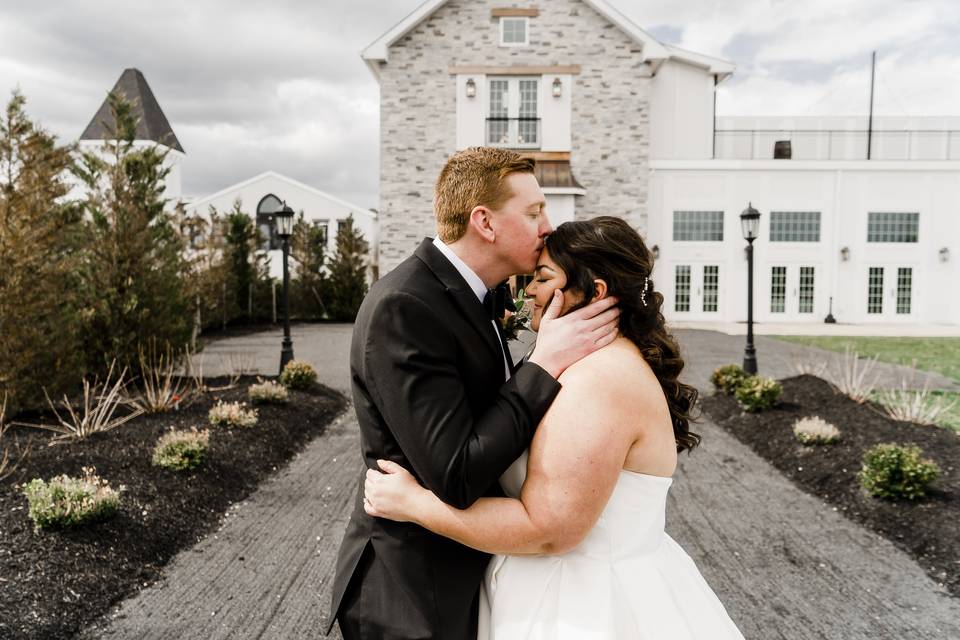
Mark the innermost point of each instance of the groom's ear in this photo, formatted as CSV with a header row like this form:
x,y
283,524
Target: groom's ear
x,y
599,290
481,220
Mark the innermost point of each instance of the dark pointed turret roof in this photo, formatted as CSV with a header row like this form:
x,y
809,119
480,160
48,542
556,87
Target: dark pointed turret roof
x,y
151,123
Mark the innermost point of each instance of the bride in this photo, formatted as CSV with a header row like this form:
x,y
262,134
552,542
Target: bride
x,y
581,547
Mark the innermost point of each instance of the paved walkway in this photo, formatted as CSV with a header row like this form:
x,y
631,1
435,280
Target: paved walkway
x,y
785,564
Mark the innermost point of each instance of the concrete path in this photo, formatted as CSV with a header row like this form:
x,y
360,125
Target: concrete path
x,y
785,564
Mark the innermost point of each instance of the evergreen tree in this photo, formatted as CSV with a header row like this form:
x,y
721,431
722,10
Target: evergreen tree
x,y
248,268
348,281
308,248
40,251
134,281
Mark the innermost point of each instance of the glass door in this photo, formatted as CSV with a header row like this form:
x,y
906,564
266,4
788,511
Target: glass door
x,y
791,291
696,291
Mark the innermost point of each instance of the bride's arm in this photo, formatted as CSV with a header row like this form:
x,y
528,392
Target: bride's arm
x,y
575,459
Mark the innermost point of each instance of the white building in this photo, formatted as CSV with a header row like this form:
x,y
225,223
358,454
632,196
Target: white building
x,y
588,93
265,193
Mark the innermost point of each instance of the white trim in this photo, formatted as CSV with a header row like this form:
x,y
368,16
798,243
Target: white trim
x,y
719,67
563,191
294,183
526,31
805,165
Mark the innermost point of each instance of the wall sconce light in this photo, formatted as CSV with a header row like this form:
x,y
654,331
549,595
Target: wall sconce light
x,y
655,250
845,254
471,88
944,254
557,88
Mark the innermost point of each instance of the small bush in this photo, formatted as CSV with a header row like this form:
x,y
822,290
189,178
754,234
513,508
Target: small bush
x,y
728,377
232,414
894,471
756,393
815,430
268,392
179,450
298,375
68,502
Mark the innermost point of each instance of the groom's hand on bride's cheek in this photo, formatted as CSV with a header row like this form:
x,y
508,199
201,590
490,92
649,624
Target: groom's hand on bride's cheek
x,y
561,341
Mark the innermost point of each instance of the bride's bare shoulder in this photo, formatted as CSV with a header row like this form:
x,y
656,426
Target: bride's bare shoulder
x,y
616,367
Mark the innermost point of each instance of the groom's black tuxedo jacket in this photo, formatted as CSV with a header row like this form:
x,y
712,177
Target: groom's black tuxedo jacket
x,y
428,387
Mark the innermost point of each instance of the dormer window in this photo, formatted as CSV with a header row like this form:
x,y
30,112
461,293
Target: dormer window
x,y
514,31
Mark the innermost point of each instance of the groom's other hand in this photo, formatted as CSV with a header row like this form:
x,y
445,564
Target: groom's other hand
x,y
561,341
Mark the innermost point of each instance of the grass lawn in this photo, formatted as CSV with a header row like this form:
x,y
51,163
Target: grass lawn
x,y
932,354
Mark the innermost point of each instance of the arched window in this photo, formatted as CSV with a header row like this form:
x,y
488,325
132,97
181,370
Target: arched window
x,y
268,205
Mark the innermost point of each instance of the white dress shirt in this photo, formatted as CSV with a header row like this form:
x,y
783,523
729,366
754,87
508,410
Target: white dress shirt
x,y
476,285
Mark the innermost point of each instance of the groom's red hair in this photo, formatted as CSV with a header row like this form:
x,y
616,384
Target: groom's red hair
x,y
471,178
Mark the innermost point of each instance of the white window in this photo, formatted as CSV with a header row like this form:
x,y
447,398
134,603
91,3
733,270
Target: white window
x,y
513,117
514,32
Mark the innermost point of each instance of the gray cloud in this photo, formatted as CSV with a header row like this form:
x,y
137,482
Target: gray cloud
x,y
250,87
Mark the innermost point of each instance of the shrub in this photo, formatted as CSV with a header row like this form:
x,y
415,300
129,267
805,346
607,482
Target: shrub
x,y
728,377
268,392
298,375
815,430
895,471
756,393
68,502
232,414
181,449
852,377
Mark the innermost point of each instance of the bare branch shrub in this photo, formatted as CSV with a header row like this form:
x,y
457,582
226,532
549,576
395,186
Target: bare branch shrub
x,y
162,388
911,405
851,376
98,412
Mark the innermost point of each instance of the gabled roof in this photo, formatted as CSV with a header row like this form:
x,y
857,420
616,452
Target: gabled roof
x,y
152,124
653,50
296,184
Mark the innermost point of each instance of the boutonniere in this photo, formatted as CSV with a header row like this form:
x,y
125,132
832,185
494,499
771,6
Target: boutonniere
x,y
513,322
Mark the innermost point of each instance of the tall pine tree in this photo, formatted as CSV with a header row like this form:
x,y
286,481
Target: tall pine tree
x,y
40,253
308,249
348,271
135,288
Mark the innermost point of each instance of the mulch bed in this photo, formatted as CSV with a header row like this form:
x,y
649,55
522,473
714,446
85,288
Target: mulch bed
x,y
53,583
927,529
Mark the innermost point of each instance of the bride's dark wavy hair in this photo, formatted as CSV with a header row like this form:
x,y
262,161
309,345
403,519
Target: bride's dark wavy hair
x,y
609,249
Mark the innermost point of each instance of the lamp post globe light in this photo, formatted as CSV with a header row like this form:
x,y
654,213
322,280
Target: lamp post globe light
x,y
284,220
750,222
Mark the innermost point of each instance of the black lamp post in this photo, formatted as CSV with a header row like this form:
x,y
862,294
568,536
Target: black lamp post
x,y
750,221
284,220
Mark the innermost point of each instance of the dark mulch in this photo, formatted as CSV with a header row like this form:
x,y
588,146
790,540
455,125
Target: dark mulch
x,y
927,529
54,583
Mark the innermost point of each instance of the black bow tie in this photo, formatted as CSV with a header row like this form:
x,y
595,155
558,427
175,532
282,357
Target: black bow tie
x,y
497,301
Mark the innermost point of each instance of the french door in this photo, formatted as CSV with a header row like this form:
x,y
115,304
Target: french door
x,y
696,290
791,291
889,292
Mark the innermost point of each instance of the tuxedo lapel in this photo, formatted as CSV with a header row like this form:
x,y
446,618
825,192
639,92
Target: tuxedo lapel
x,y
460,291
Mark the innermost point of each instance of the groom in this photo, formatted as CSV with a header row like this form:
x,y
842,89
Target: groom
x,y
436,391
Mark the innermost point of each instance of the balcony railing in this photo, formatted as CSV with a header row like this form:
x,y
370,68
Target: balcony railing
x,y
515,133
838,144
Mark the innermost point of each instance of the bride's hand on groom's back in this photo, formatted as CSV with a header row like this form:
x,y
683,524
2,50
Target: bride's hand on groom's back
x,y
562,341
391,493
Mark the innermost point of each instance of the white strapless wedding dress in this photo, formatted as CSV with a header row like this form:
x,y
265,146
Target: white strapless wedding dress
x,y
627,580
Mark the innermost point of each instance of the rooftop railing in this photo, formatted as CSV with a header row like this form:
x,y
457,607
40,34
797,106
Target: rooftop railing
x,y
838,144
515,133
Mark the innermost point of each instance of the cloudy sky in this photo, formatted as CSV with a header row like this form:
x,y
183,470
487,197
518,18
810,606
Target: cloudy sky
x,y
252,86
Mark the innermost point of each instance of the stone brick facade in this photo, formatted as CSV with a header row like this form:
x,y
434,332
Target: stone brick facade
x,y
609,120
